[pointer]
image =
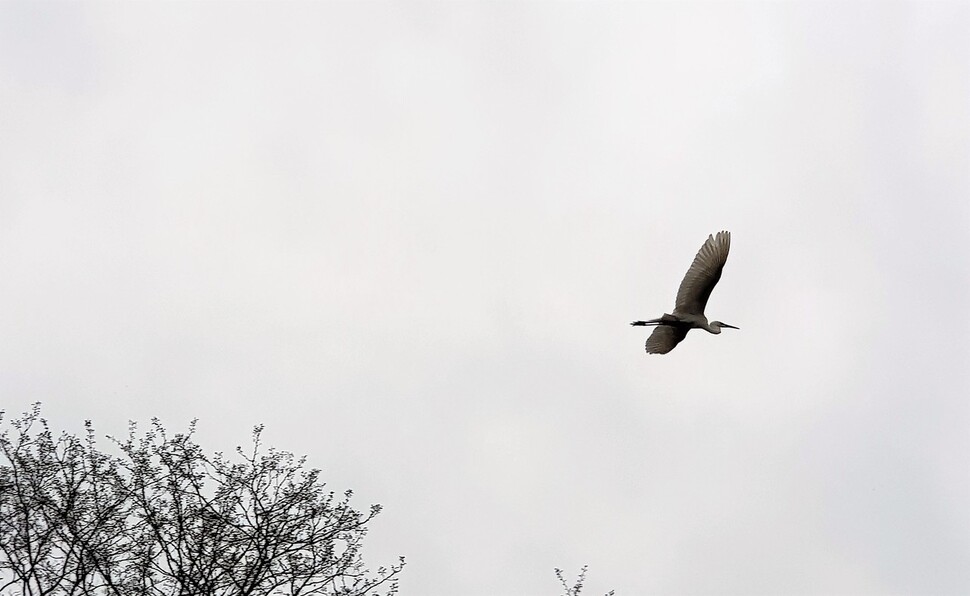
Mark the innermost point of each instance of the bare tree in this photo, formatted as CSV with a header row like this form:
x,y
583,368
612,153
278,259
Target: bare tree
x,y
577,588
161,517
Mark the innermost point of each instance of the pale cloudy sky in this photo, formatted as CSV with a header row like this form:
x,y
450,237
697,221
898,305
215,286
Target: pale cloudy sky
x,y
409,238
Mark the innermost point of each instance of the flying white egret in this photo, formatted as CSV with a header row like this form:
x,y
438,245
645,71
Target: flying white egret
x,y
692,297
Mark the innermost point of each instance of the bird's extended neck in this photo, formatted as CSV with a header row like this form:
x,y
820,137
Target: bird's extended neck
x,y
711,328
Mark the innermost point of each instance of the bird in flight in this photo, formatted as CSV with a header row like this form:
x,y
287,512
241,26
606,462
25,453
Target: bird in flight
x,y
692,297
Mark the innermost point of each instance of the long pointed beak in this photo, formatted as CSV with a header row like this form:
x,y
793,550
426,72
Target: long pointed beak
x,y
731,326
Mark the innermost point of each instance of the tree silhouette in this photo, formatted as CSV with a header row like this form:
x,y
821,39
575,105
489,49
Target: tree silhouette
x,y
161,517
577,588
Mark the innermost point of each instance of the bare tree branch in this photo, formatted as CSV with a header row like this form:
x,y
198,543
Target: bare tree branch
x,y
163,518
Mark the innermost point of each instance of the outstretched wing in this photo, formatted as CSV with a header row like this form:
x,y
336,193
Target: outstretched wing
x,y
703,275
665,337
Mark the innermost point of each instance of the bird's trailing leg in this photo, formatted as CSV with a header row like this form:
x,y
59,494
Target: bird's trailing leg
x,y
664,320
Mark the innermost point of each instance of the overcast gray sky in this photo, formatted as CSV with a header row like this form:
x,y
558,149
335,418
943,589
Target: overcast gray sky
x,y
409,238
